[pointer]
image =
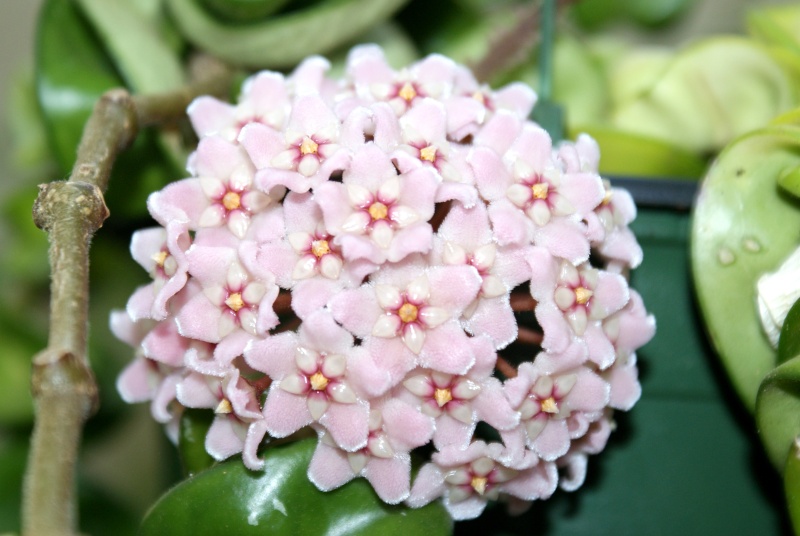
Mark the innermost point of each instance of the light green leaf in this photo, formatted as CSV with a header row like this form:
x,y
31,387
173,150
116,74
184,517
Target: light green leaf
x,y
789,342
739,231
697,103
633,155
282,41
147,62
230,499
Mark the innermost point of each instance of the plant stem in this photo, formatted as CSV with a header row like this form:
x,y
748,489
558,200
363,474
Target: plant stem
x,y
63,385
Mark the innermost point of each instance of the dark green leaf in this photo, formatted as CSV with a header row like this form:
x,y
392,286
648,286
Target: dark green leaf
x,y
194,426
740,232
790,181
778,410
242,10
789,342
282,41
229,499
791,483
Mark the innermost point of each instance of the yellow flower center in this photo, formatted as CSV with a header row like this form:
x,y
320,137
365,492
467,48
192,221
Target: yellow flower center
x,y
442,396
320,248
224,407
378,211
235,301
583,295
231,200
540,190
478,96
408,312
549,405
428,153
407,92
479,483
318,381
160,258
607,198
308,146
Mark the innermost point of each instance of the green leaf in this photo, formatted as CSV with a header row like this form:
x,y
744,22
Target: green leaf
x,y
68,85
282,41
789,342
739,231
634,155
194,425
789,180
697,102
242,10
776,25
791,485
229,499
143,56
778,410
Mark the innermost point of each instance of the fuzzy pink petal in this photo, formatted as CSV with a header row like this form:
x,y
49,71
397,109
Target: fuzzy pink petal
x,y
491,175
406,427
199,319
553,441
564,238
356,310
447,350
428,486
273,355
210,116
347,424
451,432
469,508
195,392
183,199
163,343
453,287
495,319
312,295
391,478
320,331
225,437
510,224
492,406
329,467
625,387
262,143
285,413
140,304
255,435
137,382
535,483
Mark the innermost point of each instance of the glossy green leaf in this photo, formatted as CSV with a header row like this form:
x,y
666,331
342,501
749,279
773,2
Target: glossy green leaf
x,y
281,41
697,102
789,180
791,485
778,410
789,342
739,231
194,425
242,10
140,52
229,499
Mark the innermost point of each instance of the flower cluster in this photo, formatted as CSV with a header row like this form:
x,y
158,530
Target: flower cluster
x,y
360,255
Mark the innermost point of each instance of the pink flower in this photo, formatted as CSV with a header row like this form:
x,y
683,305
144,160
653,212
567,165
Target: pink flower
x,y
394,429
311,382
555,406
376,214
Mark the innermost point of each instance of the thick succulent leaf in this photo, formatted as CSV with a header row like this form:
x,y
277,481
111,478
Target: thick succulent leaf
x,y
778,410
776,25
192,440
68,85
696,103
143,56
229,499
791,485
739,231
789,342
282,41
242,10
634,155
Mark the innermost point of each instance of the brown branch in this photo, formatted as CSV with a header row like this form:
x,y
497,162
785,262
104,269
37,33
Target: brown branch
x,y
514,45
522,302
529,336
63,384
505,368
